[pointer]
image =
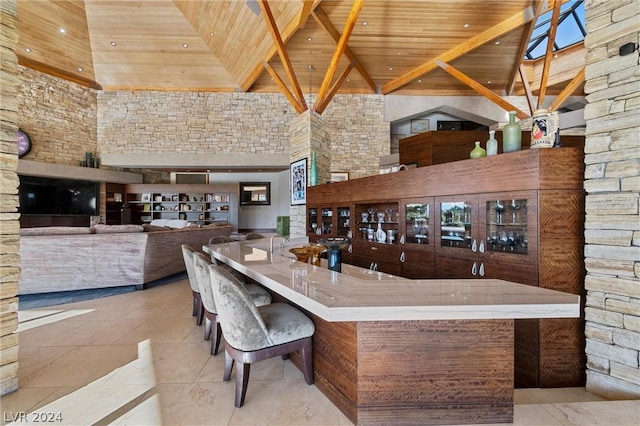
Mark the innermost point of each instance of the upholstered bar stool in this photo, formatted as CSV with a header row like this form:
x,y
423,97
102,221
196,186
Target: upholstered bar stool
x,y
256,333
198,309
212,329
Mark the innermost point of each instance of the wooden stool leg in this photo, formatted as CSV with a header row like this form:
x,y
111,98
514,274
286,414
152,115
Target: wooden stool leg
x,y
306,353
228,366
217,337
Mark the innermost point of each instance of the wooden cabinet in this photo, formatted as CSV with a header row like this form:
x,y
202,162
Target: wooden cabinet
x,y
328,221
517,216
200,204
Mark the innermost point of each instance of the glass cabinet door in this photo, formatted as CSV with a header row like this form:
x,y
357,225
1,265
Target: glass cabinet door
x,y
418,225
326,222
312,220
507,225
344,221
457,223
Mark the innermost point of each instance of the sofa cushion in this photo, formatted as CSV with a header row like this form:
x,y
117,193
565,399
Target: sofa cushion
x,y
115,229
177,223
56,230
152,228
159,222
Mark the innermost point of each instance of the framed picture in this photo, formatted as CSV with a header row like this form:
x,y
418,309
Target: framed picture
x,y
145,198
299,182
420,125
339,176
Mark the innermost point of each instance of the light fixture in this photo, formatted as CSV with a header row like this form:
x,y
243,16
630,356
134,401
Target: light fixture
x,y
309,39
466,25
390,68
62,31
114,44
489,82
348,79
211,34
365,23
497,42
185,45
28,50
419,81
80,69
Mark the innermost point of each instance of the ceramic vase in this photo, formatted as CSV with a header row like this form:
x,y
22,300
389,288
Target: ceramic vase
x,y
511,135
478,151
381,236
313,173
544,128
492,143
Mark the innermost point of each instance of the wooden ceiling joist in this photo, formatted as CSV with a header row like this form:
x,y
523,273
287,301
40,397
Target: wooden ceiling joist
x,y
340,48
321,18
527,88
284,57
283,87
551,39
487,93
568,90
305,12
509,24
334,89
541,8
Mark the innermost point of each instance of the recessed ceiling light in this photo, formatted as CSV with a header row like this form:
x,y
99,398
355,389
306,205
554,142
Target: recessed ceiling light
x,y
365,23
28,50
348,79
80,69
114,44
185,45
211,34
309,39
419,81
555,55
489,82
390,68
497,42
62,31
466,25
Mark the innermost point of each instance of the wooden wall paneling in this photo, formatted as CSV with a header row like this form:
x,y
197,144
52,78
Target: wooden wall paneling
x,y
404,371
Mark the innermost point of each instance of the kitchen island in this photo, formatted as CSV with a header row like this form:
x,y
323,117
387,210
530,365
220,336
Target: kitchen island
x,y
393,350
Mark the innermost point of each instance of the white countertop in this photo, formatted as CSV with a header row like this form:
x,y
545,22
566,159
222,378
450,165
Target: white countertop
x,y
358,294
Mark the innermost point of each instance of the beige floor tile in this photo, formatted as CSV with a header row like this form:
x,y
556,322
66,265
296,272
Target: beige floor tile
x,y
553,395
618,413
33,358
43,336
195,403
161,329
179,363
25,400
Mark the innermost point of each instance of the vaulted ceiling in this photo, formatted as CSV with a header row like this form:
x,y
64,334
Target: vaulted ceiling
x,y
445,47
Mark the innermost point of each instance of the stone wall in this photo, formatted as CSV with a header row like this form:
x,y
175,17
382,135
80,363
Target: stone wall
x,y
9,218
238,123
612,182
59,115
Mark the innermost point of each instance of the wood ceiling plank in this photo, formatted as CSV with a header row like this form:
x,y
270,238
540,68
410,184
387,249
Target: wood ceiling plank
x,y
340,48
504,27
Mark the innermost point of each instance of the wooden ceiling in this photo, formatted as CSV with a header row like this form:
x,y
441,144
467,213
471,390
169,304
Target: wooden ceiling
x,y
445,47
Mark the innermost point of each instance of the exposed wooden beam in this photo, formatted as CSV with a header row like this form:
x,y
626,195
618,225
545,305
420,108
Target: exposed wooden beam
x,y
487,93
284,57
307,8
57,72
551,39
342,44
321,18
503,27
288,32
568,90
527,88
334,89
283,87
542,7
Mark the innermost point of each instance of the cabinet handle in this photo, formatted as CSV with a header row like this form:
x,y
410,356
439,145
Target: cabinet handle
x,y
402,258
481,246
402,239
482,269
474,269
350,249
371,266
375,266
474,246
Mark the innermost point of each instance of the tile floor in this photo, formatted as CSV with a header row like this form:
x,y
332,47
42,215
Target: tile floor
x,y
139,359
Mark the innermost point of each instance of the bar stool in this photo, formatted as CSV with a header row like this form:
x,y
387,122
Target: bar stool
x,y
256,333
212,330
198,309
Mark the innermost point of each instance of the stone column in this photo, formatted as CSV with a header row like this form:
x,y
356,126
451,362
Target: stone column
x,y
612,205
9,218
309,133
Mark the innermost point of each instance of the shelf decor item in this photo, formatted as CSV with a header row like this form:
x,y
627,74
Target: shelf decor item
x,y
512,135
478,151
492,143
544,128
313,173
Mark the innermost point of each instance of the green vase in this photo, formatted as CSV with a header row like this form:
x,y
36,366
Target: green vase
x,y
478,151
511,135
313,173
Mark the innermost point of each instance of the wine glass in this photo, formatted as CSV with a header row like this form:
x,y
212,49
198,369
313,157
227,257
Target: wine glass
x,y
389,215
372,212
499,208
514,206
314,226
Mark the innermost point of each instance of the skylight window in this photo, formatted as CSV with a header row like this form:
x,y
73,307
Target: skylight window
x,y
571,30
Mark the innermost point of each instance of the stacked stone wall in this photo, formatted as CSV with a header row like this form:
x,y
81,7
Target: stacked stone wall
x,y
612,183
9,218
59,115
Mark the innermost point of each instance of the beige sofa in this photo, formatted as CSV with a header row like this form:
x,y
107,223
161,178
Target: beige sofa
x,y
74,258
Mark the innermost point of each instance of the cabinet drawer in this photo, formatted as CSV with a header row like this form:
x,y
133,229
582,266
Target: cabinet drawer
x,y
418,264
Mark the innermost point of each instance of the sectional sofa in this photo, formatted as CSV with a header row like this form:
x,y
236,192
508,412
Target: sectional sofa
x,y
74,258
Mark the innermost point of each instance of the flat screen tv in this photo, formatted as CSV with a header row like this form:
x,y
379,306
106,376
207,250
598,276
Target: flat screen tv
x,y
50,196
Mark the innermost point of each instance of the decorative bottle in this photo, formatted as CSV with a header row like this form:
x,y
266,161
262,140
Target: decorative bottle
x,y
492,143
511,135
381,236
478,151
313,174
